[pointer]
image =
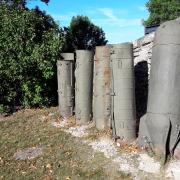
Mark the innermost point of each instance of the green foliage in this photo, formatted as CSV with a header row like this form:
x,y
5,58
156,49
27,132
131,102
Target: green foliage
x,y
30,42
161,11
18,3
83,34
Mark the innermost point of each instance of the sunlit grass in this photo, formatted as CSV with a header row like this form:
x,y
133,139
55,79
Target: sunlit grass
x,y
64,157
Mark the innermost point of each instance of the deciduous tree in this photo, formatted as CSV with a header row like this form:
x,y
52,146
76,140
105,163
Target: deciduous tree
x,y
161,11
83,34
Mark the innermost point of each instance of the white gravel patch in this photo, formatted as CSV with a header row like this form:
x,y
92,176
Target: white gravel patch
x,y
78,131
60,124
173,170
126,163
52,114
148,164
106,146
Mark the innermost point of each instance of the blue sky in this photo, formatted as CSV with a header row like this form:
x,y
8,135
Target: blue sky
x,y
121,20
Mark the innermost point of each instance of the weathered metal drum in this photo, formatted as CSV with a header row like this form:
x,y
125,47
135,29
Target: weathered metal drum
x,y
65,84
123,91
161,125
83,86
101,90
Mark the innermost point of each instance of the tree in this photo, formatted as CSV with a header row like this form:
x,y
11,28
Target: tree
x,y
161,11
18,3
30,43
83,34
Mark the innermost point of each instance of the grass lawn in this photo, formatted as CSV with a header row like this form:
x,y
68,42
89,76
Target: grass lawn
x,y
64,157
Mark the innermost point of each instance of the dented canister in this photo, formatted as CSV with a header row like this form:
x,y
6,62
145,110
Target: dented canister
x,y
163,112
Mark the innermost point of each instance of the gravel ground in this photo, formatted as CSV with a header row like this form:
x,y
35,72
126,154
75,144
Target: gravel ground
x,y
134,163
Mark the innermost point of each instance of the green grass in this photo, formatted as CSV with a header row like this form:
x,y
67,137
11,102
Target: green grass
x,y
64,157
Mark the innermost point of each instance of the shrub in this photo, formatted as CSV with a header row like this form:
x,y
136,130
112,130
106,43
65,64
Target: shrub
x,y
30,43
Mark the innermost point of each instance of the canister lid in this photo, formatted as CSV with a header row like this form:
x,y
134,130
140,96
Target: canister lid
x,y
67,57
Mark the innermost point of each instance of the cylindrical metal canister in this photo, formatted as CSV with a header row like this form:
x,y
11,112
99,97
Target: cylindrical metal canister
x,y
101,91
65,84
163,112
123,91
83,86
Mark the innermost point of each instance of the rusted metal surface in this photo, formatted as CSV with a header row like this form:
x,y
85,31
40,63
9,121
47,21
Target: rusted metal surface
x,y
101,91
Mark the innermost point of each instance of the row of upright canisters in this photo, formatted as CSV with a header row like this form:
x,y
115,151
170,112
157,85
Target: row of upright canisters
x,y
104,88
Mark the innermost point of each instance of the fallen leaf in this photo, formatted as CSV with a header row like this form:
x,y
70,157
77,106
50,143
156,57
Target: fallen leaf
x,y
68,178
48,166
